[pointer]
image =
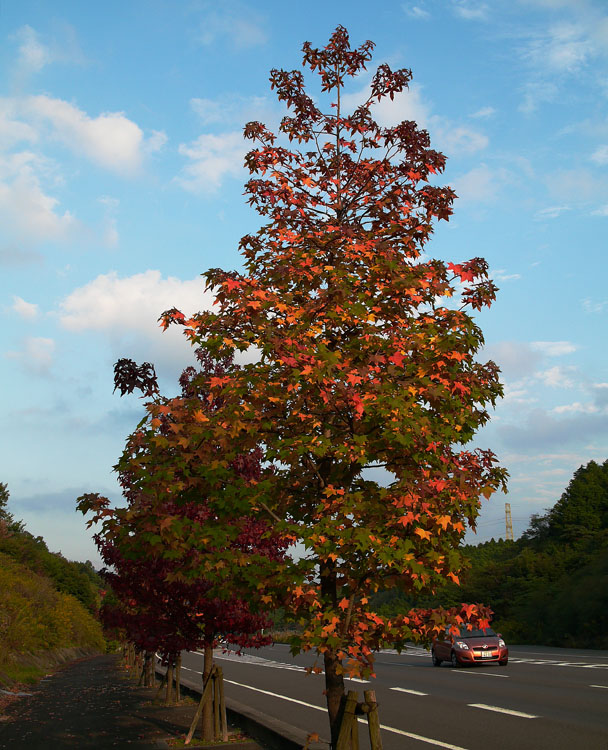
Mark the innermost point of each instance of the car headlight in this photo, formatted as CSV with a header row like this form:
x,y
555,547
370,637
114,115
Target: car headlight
x,y
462,645
501,643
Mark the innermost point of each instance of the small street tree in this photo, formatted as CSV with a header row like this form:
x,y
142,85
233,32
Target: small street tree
x,y
159,606
365,391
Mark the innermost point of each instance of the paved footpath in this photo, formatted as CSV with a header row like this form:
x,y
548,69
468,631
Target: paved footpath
x,y
89,704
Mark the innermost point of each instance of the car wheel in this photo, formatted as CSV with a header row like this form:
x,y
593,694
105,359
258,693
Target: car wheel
x,y
436,661
503,662
454,660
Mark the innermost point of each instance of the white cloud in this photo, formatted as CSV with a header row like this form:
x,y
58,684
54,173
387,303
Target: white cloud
x,y
501,275
535,94
32,54
481,184
110,232
239,24
515,358
556,377
12,130
457,139
575,408
235,109
410,104
110,140
589,306
125,311
25,209
563,48
113,304
552,212
484,112
415,11
27,310
602,211
576,185
554,348
155,142
470,11
36,356
212,157
600,155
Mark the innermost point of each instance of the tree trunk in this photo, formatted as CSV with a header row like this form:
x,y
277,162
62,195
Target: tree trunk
x,y
334,679
178,671
169,693
334,692
207,719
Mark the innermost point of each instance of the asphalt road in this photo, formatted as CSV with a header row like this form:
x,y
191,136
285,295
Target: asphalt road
x,y
545,699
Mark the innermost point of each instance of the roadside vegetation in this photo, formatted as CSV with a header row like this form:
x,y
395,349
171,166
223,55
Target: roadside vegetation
x,y
550,587
48,603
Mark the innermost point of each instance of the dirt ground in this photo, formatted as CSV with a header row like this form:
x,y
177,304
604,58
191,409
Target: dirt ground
x,y
92,704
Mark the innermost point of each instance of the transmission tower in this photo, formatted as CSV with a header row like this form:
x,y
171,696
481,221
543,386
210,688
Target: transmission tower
x,y
508,523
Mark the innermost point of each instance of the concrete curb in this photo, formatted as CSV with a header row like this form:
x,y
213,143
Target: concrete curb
x,y
272,733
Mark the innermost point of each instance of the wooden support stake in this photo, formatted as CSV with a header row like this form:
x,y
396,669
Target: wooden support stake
x,y
204,697
348,719
216,707
223,720
169,693
160,687
373,720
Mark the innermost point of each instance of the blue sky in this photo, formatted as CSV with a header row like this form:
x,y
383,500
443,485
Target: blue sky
x,y
121,181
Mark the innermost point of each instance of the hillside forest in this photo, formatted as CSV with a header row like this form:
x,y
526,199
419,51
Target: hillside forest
x,y
48,603
550,586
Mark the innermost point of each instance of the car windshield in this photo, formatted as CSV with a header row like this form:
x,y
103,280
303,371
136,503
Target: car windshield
x,y
464,633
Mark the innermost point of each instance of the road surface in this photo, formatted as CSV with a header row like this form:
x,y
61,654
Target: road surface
x,y
545,699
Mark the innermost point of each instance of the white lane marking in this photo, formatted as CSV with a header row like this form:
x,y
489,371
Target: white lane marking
x,y
547,663
605,687
261,662
500,710
419,737
476,671
544,653
406,690
275,695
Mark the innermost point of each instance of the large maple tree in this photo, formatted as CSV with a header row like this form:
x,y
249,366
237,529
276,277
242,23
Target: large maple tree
x,y
365,390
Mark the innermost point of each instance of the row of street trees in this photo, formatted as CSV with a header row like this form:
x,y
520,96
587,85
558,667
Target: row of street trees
x,y
363,358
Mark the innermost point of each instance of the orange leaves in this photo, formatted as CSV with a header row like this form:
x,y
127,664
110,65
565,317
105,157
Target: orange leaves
x,y
232,284
344,604
397,359
443,521
454,578
422,533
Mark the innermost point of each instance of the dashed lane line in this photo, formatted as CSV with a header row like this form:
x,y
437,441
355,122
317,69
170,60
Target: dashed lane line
x,y
604,687
500,710
476,671
411,735
407,690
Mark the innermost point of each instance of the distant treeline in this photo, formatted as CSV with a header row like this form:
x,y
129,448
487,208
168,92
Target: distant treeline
x,y
47,602
551,585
